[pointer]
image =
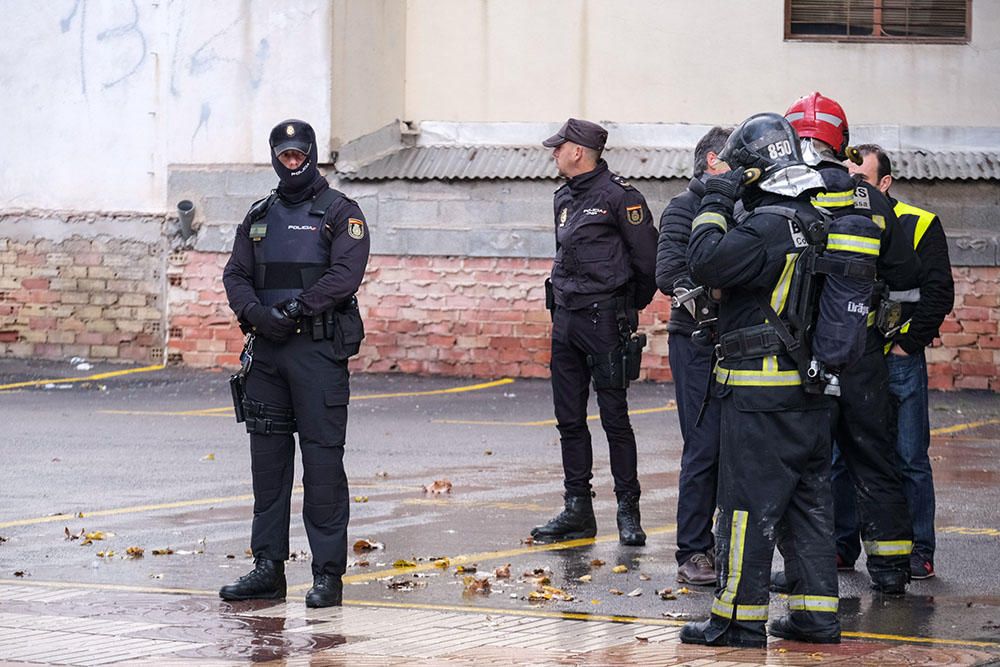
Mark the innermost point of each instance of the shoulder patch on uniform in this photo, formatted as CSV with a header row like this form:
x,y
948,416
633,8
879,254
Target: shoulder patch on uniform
x,y
563,216
258,230
622,182
356,228
634,214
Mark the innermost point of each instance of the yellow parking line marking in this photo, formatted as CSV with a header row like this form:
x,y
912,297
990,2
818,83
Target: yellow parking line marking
x,y
945,430
547,422
536,613
97,376
296,490
490,555
227,411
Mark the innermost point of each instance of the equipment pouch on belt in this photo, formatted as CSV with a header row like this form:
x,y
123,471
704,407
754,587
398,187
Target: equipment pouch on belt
x,y
238,381
632,357
889,316
550,296
348,330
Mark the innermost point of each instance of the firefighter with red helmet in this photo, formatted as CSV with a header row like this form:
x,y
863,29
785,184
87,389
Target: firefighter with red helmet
x,y
863,416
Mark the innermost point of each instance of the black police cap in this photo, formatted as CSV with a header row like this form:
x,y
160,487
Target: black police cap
x,y
292,134
581,132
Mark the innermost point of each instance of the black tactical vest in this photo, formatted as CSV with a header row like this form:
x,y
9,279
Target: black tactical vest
x,y
290,252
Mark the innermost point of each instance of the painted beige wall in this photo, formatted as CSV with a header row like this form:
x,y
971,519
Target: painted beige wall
x,y
367,67
711,61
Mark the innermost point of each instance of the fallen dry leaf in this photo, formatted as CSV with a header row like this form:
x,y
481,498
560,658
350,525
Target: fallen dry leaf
x,y
585,578
666,594
442,563
539,596
502,572
595,601
816,656
644,577
597,562
361,546
105,554
403,563
438,486
4,539
134,552
615,591
163,552
19,573
361,499
528,540
557,593
618,569
73,536
208,457
683,590
635,593
466,569
405,584
382,473
488,452
476,585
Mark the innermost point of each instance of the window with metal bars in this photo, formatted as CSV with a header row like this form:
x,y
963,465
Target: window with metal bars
x,y
934,21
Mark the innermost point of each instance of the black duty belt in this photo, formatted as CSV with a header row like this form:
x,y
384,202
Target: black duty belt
x,y
750,343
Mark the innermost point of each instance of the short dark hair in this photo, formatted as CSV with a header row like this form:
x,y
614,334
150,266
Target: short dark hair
x,y
713,142
884,163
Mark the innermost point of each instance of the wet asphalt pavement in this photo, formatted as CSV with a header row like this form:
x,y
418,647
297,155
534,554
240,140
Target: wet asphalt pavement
x,y
154,460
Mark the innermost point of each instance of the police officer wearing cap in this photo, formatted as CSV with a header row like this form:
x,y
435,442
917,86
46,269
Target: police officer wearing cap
x,y
297,261
603,274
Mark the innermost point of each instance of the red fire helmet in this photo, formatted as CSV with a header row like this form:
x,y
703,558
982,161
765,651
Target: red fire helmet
x,y
820,117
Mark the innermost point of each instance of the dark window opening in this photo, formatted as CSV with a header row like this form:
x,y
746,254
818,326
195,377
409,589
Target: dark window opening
x,y
935,21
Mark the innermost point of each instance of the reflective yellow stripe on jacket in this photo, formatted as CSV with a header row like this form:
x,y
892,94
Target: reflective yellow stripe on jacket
x,y
850,243
834,199
709,218
924,219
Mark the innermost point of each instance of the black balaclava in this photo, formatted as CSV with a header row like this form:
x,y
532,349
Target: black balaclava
x,y
297,135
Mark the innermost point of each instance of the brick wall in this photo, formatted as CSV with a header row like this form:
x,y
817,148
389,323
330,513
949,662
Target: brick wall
x,y
98,298
967,356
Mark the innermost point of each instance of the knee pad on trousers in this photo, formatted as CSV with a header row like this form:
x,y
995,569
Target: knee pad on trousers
x,y
264,419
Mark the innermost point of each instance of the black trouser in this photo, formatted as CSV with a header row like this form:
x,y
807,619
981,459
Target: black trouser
x,y
301,374
575,334
774,469
865,434
691,366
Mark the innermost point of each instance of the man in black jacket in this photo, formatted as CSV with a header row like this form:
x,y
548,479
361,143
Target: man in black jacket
x,y
921,319
691,367
297,261
603,274
864,415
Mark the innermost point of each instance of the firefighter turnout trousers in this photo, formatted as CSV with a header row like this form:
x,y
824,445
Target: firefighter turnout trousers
x,y
774,469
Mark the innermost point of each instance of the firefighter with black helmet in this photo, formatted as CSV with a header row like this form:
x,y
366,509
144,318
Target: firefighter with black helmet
x,y
864,415
775,443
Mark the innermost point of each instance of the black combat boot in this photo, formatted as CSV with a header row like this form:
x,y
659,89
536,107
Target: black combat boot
x,y
575,522
265,582
630,533
891,583
327,591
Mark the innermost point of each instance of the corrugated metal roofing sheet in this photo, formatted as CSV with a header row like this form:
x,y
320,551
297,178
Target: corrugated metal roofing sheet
x,y
529,162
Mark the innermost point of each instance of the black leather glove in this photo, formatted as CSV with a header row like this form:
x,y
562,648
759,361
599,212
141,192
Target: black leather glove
x,y
723,190
292,309
270,323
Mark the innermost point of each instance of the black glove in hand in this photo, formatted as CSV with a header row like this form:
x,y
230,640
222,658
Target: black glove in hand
x,y
724,189
291,308
270,323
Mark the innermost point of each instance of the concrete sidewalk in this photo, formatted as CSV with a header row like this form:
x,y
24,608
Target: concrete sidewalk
x,y
66,625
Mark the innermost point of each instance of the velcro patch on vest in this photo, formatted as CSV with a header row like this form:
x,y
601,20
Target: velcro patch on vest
x,y
798,238
634,214
356,228
258,230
